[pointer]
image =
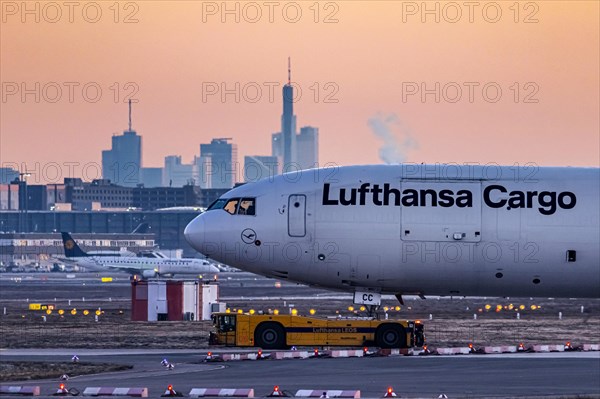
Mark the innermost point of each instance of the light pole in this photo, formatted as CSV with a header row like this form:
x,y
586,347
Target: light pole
x,y
53,209
23,178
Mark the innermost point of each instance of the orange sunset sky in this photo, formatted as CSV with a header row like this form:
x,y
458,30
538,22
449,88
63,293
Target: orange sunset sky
x,y
364,56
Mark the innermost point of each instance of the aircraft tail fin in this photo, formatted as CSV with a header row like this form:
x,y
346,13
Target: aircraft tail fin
x,y
72,250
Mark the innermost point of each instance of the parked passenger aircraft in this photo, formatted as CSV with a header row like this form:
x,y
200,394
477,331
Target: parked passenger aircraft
x,y
147,264
414,229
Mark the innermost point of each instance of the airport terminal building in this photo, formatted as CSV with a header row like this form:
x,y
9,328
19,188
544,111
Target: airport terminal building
x,y
98,207
38,248
100,230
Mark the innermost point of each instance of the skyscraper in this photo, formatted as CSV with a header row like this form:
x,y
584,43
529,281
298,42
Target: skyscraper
x,y
123,162
152,177
175,173
7,175
307,146
295,151
218,164
288,123
277,145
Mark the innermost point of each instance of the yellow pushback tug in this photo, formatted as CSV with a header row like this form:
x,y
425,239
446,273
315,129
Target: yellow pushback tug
x,y
269,331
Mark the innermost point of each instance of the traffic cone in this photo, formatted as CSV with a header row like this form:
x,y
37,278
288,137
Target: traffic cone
x,y
390,393
521,347
62,390
277,392
171,392
568,346
75,359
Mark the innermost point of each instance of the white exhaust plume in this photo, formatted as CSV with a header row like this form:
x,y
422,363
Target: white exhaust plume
x,y
397,139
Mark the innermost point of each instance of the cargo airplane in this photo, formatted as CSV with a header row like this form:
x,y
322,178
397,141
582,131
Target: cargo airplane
x,y
147,264
446,230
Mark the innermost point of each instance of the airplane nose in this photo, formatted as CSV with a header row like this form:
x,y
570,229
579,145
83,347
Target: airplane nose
x,y
194,233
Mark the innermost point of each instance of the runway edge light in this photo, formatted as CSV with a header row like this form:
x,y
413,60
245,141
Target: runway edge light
x,y
170,392
568,346
62,390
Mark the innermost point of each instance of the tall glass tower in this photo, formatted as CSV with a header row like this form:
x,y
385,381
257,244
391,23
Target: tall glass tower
x,y
288,123
123,162
218,164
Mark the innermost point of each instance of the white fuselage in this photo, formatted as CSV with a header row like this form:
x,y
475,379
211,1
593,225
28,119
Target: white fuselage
x,y
417,229
158,265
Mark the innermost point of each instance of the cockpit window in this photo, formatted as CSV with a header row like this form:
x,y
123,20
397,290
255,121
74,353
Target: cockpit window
x,y
231,205
247,207
235,206
218,204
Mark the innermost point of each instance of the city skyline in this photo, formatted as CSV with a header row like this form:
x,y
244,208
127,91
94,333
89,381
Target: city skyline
x,y
216,165
426,81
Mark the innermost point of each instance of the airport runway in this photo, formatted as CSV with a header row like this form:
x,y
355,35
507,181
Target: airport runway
x,y
459,376
42,287
242,287
456,376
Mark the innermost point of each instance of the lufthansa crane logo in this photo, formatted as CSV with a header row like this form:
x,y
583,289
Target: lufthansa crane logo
x,y
248,236
69,244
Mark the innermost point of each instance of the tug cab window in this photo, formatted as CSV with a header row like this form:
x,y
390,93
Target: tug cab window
x,y
225,323
231,205
247,207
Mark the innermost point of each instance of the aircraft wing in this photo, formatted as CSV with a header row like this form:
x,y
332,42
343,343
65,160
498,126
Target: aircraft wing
x,y
80,262
129,269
